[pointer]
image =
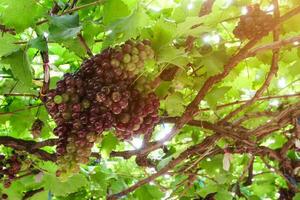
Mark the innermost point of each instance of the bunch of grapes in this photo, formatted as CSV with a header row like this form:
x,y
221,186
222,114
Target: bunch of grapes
x,y
256,23
9,168
101,96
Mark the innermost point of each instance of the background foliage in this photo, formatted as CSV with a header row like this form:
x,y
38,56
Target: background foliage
x,y
201,73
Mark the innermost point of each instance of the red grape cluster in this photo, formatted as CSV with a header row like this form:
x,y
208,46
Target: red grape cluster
x,y
140,117
102,95
256,23
9,168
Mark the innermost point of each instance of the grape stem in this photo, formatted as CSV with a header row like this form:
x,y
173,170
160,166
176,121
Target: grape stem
x,y
30,193
85,45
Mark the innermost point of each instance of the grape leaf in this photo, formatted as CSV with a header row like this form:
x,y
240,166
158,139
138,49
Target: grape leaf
x,y
215,95
162,89
40,196
128,27
109,142
168,54
186,28
20,14
174,104
20,67
63,27
162,33
59,188
214,62
295,69
223,194
7,45
113,10
150,192
39,43
297,196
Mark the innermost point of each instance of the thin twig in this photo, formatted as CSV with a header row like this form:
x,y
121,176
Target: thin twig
x,y
46,68
20,95
30,193
20,110
84,44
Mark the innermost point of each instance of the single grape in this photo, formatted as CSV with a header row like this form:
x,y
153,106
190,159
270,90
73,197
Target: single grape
x,y
58,99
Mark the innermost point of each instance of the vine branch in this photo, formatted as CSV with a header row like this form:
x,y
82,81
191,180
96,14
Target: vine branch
x,y
271,74
31,147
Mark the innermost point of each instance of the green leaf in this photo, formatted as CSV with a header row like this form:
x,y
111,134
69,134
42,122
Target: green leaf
x,y
297,196
114,10
292,24
150,192
295,69
20,67
172,55
214,62
162,89
260,191
63,27
40,196
164,162
128,27
20,14
39,43
223,194
7,45
108,144
185,28
209,188
163,33
117,185
52,183
75,46
174,104
216,94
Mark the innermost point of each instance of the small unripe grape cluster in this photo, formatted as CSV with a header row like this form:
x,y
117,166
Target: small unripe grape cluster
x,y
101,96
256,23
9,168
